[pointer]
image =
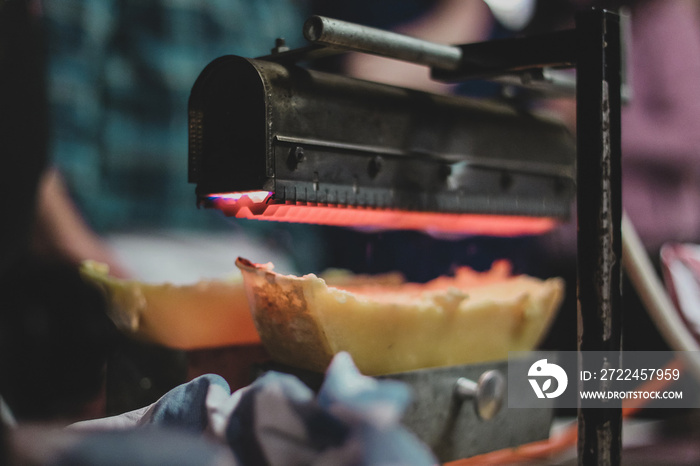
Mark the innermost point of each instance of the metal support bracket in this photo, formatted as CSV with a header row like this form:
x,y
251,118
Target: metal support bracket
x,y
599,219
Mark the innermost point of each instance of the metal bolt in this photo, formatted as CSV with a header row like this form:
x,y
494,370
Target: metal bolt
x,y
145,383
375,166
296,156
280,46
487,393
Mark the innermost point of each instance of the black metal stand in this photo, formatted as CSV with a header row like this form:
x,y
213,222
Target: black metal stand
x,y
594,48
599,222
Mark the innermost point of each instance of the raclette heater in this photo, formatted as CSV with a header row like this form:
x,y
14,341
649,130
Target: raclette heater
x,y
274,141
271,140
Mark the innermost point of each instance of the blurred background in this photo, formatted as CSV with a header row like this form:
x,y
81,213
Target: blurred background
x,y
94,147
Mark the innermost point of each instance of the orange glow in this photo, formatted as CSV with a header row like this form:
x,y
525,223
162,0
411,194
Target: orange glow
x,y
241,205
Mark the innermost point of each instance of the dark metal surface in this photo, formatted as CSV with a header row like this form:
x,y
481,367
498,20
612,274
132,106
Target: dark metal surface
x,y
302,54
545,82
368,144
599,220
499,57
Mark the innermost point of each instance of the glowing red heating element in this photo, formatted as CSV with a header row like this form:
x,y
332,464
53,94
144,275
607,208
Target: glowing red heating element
x,y
259,205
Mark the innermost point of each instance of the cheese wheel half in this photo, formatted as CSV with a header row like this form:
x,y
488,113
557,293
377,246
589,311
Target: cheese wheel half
x,y
389,326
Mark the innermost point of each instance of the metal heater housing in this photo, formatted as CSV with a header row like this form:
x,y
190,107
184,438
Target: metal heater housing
x,y
312,137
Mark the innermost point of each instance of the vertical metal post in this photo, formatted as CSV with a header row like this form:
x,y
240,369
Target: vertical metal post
x,y
599,218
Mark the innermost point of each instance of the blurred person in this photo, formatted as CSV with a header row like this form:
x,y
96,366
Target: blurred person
x,y
23,129
660,124
660,154
119,77
54,332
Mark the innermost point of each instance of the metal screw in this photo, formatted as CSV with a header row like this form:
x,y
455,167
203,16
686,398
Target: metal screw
x,y
296,156
375,166
487,393
280,46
